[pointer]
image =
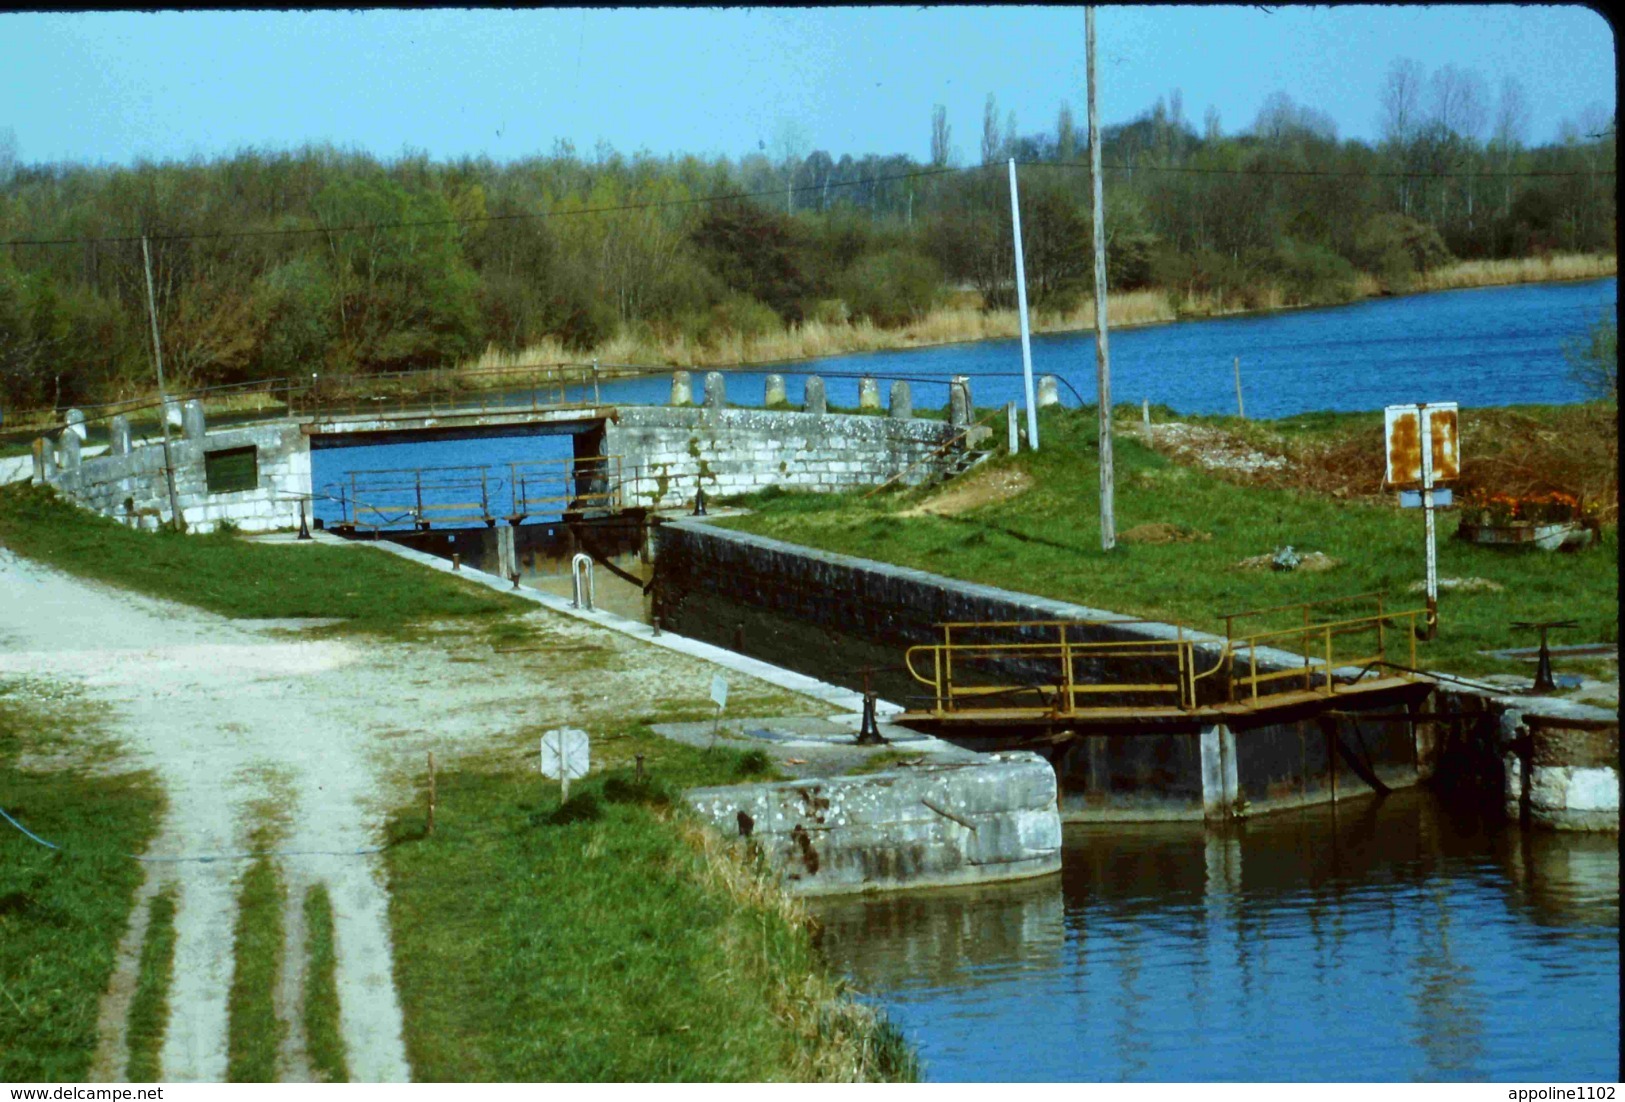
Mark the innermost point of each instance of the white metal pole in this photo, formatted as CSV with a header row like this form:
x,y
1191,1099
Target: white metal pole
x,y
1103,370
1021,301
1425,423
163,400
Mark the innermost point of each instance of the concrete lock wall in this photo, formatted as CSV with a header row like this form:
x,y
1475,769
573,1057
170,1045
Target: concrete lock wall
x,y
672,451
830,615
930,826
132,486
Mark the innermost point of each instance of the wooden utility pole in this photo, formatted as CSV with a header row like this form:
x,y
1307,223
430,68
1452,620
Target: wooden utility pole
x,y
1103,369
175,517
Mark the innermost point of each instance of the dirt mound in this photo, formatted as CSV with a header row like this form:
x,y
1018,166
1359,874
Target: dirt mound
x,y
1311,562
1158,532
966,494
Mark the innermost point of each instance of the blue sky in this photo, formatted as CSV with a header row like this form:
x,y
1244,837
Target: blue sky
x,y
507,83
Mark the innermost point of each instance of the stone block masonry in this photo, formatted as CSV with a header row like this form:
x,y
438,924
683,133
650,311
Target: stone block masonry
x,y
128,482
929,826
670,451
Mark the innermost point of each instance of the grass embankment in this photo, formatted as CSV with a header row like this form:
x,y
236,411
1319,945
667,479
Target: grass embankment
x,y
1183,530
238,578
612,938
62,912
324,1043
148,1017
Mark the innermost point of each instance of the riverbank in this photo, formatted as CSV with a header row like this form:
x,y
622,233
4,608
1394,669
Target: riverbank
x,y
328,720
1212,513
963,320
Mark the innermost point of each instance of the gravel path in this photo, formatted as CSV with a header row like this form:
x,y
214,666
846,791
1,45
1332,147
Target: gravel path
x,y
245,721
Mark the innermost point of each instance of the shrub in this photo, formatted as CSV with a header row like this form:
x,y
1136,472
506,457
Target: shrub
x,y
891,288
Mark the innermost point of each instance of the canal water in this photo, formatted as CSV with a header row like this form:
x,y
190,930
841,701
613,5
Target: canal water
x,y
1376,941
1483,347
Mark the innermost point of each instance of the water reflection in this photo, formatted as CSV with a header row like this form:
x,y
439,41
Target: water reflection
x,y
1372,941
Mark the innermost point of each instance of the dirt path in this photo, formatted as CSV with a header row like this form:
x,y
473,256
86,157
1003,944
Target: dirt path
x,y
233,723
248,722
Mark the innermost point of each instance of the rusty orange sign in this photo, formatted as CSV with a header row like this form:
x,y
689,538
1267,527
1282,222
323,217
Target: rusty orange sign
x,y
1411,428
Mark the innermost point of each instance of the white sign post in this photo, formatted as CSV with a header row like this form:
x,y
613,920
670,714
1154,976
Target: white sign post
x,y
565,757
1423,450
719,696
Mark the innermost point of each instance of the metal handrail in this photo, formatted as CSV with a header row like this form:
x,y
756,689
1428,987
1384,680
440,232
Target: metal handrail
x,y
1065,690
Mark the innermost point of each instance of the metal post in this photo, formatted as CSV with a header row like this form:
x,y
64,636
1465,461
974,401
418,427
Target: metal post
x,y
1103,371
1425,424
163,402
1241,410
1021,301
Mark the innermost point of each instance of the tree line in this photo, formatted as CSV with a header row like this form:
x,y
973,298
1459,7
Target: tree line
x,y
269,264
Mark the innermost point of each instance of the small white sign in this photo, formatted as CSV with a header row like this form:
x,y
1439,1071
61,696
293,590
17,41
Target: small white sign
x,y
564,754
1412,499
719,691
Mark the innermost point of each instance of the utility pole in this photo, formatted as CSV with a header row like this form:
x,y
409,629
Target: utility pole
x,y
1103,369
1021,293
175,517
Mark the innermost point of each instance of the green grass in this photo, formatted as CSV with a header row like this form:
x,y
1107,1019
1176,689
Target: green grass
x,y
237,578
323,1041
1047,542
62,912
609,943
254,1032
148,1017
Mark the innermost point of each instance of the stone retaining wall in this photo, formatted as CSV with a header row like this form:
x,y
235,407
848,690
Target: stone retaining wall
x,y
925,827
670,451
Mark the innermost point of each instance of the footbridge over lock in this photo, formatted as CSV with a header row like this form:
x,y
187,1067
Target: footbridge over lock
x,y
258,475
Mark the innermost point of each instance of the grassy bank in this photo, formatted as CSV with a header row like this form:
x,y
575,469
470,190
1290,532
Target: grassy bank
x,y
62,912
962,320
1184,532
148,1018
611,939
234,577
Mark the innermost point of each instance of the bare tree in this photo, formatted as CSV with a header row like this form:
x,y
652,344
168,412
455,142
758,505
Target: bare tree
x,y
1400,99
990,131
941,152
8,154
1458,102
1066,134
1211,130
1511,126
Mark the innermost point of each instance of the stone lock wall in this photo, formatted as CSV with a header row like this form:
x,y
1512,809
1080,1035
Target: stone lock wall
x,y
128,483
668,452
929,826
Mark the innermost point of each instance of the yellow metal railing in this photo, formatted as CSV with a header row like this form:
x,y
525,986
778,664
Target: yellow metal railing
x,y
970,672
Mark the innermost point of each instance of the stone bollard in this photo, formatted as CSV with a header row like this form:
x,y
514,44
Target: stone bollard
x,y
44,460
76,423
118,435
960,409
868,393
192,425
813,401
1049,391
1015,436
902,400
67,452
682,389
774,393
172,413
716,390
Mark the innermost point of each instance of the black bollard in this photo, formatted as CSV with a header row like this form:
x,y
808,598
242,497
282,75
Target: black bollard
x,y
699,501
304,527
869,730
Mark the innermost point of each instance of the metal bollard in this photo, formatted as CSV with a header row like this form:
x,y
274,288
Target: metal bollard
x,y
456,561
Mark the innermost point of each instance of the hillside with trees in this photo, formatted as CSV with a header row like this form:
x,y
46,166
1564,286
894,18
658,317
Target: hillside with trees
x,y
276,263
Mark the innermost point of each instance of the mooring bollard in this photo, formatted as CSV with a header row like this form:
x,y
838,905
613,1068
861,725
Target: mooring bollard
x,y
456,561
